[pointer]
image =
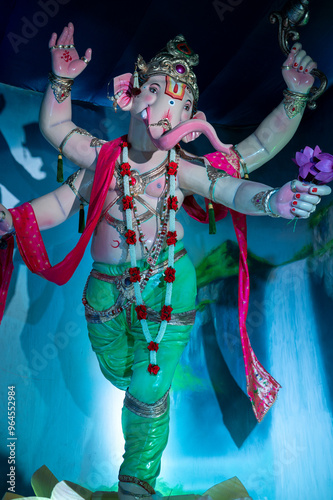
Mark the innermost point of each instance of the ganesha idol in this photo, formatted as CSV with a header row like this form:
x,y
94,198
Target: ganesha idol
x,y
140,295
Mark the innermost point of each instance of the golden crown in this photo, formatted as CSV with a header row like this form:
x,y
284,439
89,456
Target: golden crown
x,y
175,60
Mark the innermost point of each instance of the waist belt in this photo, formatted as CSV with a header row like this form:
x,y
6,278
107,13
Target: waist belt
x,y
127,297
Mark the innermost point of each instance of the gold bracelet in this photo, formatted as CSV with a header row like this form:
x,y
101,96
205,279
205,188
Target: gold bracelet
x,y
262,202
61,86
294,102
241,162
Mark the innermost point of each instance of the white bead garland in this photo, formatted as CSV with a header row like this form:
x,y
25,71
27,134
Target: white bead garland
x,y
171,253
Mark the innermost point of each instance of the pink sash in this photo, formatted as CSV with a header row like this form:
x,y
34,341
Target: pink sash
x,y
262,388
29,239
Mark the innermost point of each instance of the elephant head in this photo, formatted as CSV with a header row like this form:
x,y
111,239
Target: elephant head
x,y
166,101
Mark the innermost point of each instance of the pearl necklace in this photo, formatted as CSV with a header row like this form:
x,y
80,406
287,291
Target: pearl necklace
x,y
169,215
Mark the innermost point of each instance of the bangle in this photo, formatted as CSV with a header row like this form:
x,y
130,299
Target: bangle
x,y
70,183
214,174
76,130
294,102
61,86
60,170
241,162
262,201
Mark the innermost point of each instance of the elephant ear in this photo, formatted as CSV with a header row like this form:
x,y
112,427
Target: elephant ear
x,y
199,115
124,84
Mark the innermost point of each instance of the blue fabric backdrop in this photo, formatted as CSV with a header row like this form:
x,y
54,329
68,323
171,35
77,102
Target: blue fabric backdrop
x,y
68,416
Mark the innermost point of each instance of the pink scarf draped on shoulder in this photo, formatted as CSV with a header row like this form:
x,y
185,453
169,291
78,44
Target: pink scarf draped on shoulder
x,y
261,386
29,239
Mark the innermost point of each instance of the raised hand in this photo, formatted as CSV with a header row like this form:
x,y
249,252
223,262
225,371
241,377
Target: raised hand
x,y
296,70
297,199
65,59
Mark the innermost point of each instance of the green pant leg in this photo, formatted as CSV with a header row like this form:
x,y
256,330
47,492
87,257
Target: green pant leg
x,y
111,341
123,357
146,438
145,441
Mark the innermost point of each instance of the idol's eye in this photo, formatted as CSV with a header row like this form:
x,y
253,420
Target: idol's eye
x,y
153,90
187,107
171,102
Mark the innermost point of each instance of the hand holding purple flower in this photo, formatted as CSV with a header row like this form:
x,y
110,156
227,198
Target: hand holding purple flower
x,y
314,165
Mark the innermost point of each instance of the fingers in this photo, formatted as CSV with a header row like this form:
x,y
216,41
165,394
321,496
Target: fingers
x,y
290,59
306,64
305,206
306,198
305,187
70,40
88,54
301,54
63,37
299,60
300,213
53,40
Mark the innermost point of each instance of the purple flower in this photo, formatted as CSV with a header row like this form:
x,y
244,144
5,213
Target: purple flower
x,y
314,165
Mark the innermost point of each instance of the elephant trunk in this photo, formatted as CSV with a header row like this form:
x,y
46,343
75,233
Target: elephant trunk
x,y
169,139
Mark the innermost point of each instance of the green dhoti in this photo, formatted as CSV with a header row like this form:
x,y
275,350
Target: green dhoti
x,y
122,352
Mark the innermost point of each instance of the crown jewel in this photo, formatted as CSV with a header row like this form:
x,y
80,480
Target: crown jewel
x,y
175,60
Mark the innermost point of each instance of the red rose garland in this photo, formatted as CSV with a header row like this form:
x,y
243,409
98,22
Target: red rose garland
x,y
127,202
134,274
141,312
130,237
153,346
171,240
153,369
170,275
166,313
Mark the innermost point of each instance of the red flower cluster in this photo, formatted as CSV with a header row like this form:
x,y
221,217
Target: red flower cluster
x,y
153,346
171,238
166,313
127,202
172,168
141,312
153,369
130,237
125,144
125,169
170,275
173,203
134,274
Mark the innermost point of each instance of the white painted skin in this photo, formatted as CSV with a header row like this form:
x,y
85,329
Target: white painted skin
x,y
149,107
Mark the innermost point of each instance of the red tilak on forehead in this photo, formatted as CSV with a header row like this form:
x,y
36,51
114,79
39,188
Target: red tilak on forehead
x,y
174,89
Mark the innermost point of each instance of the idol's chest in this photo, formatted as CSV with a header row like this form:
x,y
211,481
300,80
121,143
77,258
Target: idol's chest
x,y
151,183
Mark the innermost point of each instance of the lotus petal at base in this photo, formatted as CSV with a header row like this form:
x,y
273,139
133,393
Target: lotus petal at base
x,y
46,487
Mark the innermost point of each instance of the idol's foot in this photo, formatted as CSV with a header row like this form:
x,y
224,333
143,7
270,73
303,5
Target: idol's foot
x,y
131,491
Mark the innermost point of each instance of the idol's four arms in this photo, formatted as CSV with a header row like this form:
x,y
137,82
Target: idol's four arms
x,y
149,108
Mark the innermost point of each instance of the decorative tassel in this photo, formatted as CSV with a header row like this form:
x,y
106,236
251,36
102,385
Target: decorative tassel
x,y
60,169
82,224
211,215
136,89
